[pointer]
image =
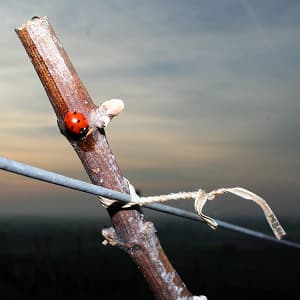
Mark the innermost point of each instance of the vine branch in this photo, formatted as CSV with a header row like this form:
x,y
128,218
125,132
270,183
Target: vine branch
x,y
131,231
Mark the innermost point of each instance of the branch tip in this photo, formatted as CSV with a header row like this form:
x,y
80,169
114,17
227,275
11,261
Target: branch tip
x,y
33,20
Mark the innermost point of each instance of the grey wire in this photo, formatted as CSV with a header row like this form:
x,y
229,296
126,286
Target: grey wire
x,y
51,177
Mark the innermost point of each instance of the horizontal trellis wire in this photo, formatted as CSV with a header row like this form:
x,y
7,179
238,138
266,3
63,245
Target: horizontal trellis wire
x,y
54,178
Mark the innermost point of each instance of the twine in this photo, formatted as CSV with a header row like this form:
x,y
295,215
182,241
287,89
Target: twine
x,y
200,198
103,115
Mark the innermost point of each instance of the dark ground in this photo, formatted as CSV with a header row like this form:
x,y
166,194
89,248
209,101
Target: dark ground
x,y
44,258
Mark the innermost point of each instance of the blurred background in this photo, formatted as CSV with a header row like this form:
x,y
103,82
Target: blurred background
x,y
211,100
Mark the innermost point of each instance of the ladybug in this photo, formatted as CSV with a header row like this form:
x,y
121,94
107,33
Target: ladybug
x,y
76,123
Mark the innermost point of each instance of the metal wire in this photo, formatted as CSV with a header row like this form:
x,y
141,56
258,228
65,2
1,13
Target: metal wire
x,y
54,178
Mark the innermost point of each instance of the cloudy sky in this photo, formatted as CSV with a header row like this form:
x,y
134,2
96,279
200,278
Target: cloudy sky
x,y
211,90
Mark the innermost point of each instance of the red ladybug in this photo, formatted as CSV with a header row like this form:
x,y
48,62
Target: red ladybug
x,y
76,123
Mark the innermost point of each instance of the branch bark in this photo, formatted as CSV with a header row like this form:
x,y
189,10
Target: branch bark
x,y
131,231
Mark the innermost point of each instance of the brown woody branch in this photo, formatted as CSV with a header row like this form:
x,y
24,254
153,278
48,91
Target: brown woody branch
x,y
132,232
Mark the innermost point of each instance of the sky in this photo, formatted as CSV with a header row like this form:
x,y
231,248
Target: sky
x,y
211,92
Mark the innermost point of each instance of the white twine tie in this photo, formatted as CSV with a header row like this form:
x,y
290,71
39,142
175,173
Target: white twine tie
x,y
101,118
200,198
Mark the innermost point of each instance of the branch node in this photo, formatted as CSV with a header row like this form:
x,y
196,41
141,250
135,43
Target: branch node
x,y
110,237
